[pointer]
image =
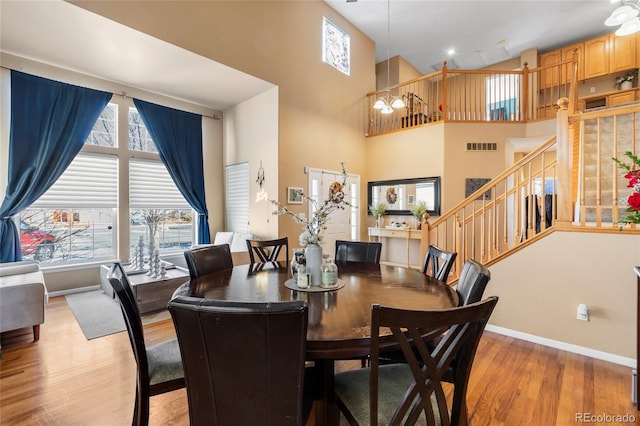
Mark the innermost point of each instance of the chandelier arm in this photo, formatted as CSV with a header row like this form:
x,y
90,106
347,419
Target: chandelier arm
x,y
633,3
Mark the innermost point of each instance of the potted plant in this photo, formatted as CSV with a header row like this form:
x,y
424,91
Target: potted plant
x,y
378,211
625,82
417,211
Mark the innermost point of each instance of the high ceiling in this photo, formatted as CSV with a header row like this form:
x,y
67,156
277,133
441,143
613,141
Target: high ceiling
x,y
481,32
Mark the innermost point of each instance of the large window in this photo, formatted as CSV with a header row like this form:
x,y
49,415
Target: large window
x,y
157,207
77,218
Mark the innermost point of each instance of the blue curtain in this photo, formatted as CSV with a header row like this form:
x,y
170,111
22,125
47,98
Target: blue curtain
x,y
178,136
49,123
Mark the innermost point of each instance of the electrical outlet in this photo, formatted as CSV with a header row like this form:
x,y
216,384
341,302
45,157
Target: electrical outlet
x,y
592,89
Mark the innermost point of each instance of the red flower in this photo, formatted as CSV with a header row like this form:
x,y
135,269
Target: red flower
x,y
634,201
633,176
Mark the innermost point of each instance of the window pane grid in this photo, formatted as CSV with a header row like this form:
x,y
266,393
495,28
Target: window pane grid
x,y
139,137
104,130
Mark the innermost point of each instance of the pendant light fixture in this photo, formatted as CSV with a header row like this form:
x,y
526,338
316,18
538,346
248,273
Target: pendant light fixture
x,y
626,15
386,104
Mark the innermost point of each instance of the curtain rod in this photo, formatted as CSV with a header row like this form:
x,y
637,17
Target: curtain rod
x,y
125,96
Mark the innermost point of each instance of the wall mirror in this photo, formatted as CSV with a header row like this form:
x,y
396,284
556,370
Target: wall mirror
x,y
401,195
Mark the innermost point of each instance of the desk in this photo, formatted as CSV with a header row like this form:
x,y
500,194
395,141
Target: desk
x,y
406,234
339,320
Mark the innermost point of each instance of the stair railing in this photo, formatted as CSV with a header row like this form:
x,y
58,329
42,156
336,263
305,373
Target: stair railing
x,y
518,206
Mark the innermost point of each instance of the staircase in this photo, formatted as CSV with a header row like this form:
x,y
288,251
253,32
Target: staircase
x,y
569,182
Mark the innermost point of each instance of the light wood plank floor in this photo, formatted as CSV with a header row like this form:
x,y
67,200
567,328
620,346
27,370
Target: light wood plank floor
x,y
66,380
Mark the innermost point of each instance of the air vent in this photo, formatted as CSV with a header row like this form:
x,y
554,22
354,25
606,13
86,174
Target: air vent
x,y
482,146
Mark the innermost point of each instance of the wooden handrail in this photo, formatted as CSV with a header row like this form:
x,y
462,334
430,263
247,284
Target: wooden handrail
x,y
519,164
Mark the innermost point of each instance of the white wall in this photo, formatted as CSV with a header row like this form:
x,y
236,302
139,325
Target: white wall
x,y
251,135
541,286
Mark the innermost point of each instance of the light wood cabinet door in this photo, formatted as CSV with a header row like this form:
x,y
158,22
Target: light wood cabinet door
x,y
567,53
550,77
621,98
596,57
624,53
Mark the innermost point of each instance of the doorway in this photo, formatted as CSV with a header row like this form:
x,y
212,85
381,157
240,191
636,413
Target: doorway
x,y
342,224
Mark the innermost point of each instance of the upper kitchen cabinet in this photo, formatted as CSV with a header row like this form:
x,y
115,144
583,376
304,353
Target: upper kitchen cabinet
x,y
596,57
624,53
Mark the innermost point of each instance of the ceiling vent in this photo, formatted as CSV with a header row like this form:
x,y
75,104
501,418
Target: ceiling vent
x,y
482,146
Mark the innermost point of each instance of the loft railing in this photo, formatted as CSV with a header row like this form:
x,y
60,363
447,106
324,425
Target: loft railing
x,y
569,182
476,96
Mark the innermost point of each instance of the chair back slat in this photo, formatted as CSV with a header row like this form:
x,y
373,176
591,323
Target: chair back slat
x,y
438,263
267,251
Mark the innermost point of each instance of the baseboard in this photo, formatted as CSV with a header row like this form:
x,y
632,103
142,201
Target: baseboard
x,y
73,290
580,350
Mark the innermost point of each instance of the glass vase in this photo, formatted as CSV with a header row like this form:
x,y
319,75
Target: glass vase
x,y
313,255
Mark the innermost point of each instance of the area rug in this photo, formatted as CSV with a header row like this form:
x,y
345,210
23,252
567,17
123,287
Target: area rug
x,y
99,315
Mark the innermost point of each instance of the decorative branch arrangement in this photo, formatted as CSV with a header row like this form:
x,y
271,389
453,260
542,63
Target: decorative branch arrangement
x,y
314,225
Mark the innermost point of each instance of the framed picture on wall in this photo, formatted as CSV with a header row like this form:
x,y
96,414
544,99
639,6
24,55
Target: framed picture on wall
x,y
471,185
410,200
294,195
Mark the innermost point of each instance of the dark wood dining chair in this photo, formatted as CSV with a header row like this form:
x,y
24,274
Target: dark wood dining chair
x,y
438,263
358,251
159,367
473,280
244,362
267,251
206,259
411,393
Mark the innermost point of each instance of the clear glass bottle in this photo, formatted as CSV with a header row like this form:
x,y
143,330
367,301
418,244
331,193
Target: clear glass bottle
x,y
297,255
329,272
302,279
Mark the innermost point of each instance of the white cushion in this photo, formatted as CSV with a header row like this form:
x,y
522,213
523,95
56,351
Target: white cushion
x,y
223,238
14,268
240,241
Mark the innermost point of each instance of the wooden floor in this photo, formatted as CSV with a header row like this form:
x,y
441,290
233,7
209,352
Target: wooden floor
x,y
64,379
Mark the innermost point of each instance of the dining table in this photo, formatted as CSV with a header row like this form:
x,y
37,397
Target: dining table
x,y
339,318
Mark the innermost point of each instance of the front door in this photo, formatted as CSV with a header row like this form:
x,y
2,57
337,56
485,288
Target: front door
x,y
343,224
